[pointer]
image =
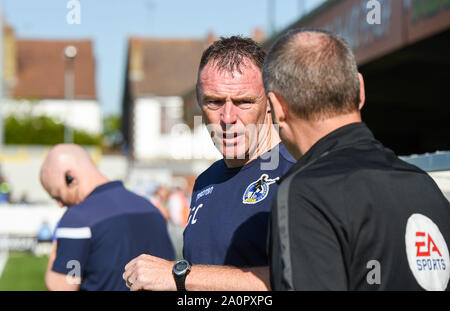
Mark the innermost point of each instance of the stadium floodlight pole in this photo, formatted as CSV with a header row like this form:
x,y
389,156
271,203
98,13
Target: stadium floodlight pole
x,y
70,52
302,7
271,16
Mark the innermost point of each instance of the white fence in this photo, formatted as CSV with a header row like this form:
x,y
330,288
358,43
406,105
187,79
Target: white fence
x,y
26,220
20,224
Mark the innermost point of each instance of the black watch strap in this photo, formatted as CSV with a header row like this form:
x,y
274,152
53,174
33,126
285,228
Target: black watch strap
x,y
180,282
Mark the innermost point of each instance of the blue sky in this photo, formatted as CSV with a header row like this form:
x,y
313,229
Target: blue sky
x,y
110,22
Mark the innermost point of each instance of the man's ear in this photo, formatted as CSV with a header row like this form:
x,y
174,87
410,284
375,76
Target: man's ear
x,y
362,92
70,178
269,107
278,108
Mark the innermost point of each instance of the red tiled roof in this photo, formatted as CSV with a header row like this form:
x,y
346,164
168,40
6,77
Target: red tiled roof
x,y
163,67
41,66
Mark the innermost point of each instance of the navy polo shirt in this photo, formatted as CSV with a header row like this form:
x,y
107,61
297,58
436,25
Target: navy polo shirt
x,y
99,236
230,208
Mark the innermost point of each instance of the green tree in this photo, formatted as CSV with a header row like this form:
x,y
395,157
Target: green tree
x,y
42,130
112,134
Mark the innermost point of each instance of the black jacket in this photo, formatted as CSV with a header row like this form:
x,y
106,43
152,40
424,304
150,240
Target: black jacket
x,y
340,220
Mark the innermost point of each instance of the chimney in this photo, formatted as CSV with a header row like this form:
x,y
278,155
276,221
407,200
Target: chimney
x,y
210,38
258,35
136,60
9,60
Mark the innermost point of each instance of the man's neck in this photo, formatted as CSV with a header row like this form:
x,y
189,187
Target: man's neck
x,y
308,133
91,185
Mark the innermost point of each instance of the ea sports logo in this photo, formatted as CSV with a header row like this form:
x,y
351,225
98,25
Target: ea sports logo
x,y
427,244
427,253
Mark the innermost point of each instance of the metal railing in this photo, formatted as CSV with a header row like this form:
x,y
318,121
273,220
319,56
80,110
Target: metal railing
x,y
430,162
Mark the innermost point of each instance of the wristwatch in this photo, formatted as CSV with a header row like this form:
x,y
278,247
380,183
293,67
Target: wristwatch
x,y
180,270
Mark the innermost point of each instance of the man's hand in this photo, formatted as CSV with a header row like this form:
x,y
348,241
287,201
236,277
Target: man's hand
x,y
147,272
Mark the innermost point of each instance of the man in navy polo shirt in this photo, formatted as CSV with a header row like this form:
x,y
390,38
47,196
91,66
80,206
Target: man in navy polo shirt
x,y
104,227
225,238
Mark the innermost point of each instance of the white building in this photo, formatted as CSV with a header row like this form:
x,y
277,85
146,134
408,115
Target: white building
x,y
159,73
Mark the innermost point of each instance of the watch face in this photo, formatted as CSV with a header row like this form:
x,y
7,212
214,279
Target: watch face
x,y
181,267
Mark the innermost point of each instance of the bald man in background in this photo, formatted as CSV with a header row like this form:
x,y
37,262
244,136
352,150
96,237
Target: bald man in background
x,y
104,227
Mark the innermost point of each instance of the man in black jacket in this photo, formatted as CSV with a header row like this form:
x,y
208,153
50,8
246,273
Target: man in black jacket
x,y
349,215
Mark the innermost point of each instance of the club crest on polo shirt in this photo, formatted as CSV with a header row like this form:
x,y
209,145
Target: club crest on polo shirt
x,y
258,190
427,253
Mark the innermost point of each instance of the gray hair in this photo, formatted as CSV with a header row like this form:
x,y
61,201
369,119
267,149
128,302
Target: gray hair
x,y
229,53
315,72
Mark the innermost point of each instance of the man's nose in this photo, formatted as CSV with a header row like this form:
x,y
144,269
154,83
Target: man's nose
x,y
229,113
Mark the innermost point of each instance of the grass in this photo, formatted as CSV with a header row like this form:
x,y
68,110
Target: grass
x,y
24,272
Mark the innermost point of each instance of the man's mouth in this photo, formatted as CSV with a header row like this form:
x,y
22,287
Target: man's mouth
x,y
231,138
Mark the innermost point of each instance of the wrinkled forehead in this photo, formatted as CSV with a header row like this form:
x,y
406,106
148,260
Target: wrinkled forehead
x,y
249,78
215,67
